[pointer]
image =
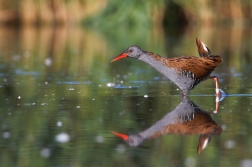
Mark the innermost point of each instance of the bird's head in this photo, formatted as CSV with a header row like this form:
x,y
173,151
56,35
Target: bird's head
x,y
132,51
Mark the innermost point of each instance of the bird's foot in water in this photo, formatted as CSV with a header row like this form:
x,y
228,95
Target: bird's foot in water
x,y
220,94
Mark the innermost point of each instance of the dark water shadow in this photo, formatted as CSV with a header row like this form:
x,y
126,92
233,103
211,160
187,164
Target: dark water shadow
x,y
186,119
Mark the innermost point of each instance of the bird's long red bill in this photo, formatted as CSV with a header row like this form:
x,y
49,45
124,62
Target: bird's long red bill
x,y
123,136
123,55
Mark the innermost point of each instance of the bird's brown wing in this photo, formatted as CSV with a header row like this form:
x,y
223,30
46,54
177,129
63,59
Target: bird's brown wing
x,y
200,67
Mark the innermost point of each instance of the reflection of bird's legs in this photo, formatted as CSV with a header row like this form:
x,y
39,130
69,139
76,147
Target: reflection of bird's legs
x,y
216,105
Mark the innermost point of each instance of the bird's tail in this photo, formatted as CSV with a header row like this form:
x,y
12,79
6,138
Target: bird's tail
x,y
202,48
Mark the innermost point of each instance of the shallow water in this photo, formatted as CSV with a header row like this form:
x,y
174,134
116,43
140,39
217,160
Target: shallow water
x,y
61,98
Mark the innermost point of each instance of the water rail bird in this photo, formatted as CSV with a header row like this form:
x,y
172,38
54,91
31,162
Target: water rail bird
x,y
185,71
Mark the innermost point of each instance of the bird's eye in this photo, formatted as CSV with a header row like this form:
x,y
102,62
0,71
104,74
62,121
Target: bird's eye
x,y
130,50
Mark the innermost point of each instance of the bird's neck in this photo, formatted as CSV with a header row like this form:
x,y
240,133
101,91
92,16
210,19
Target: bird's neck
x,y
150,58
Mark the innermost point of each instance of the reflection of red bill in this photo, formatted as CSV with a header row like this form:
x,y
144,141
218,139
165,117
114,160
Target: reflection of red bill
x,y
123,136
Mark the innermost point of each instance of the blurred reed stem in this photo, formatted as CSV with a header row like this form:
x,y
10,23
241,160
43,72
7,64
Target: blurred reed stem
x,y
110,12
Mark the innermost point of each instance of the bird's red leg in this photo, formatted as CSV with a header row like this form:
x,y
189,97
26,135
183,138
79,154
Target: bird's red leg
x,y
218,94
217,89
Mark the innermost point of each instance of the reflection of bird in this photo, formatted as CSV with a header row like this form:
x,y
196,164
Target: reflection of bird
x,y
185,119
184,71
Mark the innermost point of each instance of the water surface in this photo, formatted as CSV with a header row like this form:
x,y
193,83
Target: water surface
x,y
61,98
